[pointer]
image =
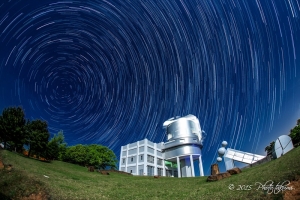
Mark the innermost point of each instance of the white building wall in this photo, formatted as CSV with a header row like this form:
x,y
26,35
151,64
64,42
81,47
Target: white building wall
x,y
133,162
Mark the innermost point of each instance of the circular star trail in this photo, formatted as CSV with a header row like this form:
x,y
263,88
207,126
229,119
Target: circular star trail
x,y
111,72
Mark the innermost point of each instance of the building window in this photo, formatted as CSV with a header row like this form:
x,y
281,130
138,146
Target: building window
x,y
150,150
150,159
169,173
131,159
159,153
141,172
130,171
150,170
141,157
159,171
123,160
159,161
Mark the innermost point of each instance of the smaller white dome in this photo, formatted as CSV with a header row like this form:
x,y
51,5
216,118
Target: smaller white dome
x,y
219,159
221,151
224,144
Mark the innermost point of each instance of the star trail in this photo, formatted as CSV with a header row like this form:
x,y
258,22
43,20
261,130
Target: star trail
x,y
112,71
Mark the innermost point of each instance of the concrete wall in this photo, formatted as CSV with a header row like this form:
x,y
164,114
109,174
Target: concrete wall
x,y
132,151
136,155
141,149
131,160
131,169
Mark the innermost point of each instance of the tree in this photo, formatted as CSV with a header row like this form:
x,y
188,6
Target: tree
x,y
52,151
295,133
108,157
76,154
101,156
12,124
56,147
269,149
38,136
94,155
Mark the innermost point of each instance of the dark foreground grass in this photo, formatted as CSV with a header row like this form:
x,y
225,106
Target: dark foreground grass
x,y
68,181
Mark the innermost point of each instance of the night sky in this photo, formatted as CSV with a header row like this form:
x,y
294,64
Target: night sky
x,y
111,72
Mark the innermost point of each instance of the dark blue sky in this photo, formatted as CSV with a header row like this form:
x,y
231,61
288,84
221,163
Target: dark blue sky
x,y
111,72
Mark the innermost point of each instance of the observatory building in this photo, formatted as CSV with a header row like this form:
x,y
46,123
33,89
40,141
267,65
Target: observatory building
x,y
175,157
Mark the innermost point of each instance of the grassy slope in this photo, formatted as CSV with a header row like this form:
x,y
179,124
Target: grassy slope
x,y
67,181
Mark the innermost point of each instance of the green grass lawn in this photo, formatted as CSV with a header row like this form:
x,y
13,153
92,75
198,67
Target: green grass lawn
x,y
68,181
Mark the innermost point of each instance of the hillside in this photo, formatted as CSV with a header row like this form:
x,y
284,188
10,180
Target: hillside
x,y
59,180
